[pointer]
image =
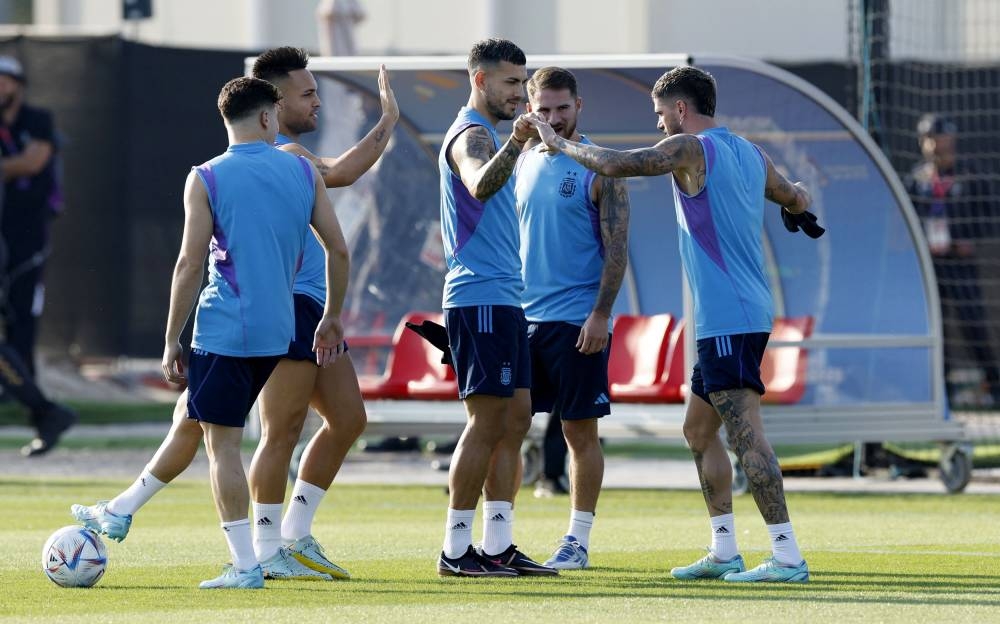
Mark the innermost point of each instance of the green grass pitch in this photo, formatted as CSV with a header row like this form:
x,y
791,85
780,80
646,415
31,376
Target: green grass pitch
x,y
874,558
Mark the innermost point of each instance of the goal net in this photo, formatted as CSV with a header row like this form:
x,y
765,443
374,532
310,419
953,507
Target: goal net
x,y
929,77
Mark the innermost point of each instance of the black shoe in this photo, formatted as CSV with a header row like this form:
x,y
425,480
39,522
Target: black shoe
x,y
50,426
517,560
472,564
393,445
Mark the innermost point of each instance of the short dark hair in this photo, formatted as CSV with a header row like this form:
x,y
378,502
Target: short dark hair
x,y
493,51
932,123
241,97
690,83
551,77
277,63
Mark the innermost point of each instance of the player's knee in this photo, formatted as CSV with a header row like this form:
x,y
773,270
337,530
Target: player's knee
x,y
581,435
699,436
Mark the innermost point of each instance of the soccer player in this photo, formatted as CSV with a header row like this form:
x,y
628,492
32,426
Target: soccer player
x,y
251,206
574,251
295,384
720,181
486,328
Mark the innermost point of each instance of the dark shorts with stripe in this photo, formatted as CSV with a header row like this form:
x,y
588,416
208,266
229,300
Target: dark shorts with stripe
x,y
729,363
564,381
222,389
308,313
489,346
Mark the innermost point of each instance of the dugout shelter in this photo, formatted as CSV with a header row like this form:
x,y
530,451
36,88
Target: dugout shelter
x,y
870,367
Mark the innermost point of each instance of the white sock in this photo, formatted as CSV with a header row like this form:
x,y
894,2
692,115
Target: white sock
x,y
137,494
302,507
266,529
724,537
498,530
240,544
783,544
579,526
458,532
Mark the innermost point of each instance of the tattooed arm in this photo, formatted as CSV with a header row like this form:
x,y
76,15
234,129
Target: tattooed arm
x,y
792,197
344,170
681,151
483,169
611,197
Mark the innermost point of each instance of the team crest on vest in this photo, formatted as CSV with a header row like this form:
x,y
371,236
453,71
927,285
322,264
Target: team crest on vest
x,y
568,185
505,374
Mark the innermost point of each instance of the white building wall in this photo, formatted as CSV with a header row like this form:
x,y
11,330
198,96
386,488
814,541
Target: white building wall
x,y
780,30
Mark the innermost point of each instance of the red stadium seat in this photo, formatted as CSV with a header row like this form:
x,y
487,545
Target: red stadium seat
x,y
637,365
413,368
783,369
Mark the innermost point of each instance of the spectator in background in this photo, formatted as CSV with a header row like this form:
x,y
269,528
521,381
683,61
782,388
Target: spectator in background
x,y
951,200
31,198
554,451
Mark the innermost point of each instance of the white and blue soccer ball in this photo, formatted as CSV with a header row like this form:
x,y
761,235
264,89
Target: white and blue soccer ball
x,y
74,557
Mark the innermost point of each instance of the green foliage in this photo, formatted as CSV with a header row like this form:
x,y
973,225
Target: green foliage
x,y
874,558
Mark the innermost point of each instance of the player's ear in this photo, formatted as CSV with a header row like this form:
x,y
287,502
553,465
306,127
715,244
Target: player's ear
x,y
479,79
579,104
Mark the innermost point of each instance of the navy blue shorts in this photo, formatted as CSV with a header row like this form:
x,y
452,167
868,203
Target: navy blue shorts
x,y
222,389
564,381
308,313
489,346
729,363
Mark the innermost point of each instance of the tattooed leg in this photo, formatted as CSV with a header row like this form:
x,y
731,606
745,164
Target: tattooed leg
x,y
740,412
701,430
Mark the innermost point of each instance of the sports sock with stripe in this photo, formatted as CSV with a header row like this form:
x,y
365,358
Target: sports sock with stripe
x,y
724,537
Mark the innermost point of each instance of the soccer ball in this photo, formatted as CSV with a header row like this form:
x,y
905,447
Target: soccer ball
x,y
74,557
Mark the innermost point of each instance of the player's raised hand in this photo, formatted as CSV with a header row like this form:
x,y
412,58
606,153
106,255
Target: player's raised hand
x,y
385,94
545,132
524,129
172,364
328,342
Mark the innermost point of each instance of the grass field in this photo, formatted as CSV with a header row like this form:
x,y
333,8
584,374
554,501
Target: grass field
x,y
873,559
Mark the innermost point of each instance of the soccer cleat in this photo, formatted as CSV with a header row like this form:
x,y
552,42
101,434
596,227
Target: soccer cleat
x,y
472,564
283,566
570,555
100,519
522,563
772,572
307,551
231,578
708,567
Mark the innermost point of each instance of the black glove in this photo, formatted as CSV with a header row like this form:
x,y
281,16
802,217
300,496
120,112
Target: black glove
x,y
805,221
435,334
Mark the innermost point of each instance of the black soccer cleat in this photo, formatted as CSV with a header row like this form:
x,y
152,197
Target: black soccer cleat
x,y
472,564
517,560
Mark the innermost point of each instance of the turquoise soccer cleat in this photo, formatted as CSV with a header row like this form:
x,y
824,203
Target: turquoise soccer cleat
x,y
708,567
231,578
100,519
772,572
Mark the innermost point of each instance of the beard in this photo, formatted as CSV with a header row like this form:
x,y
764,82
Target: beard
x,y
497,108
301,126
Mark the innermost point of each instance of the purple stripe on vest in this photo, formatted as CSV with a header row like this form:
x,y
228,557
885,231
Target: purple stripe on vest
x,y
469,212
223,263
594,211
209,177
698,212
309,170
